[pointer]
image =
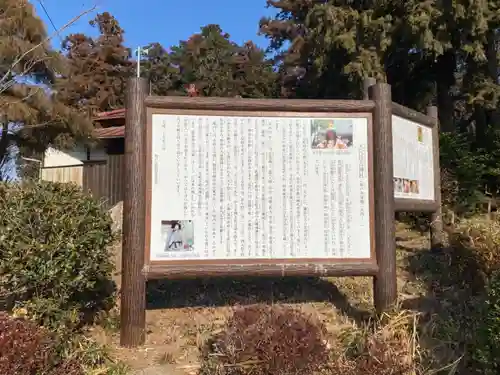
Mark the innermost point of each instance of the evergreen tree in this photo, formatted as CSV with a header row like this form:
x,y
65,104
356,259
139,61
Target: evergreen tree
x,y
78,87
205,59
98,68
252,74
212,64
157,68
333,45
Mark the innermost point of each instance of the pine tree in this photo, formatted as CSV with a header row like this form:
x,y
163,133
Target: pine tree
x,y
31,115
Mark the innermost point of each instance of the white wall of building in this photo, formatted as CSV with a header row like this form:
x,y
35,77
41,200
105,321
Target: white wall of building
x,y
58,158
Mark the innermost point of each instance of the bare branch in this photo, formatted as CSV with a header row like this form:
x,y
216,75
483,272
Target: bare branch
x,y
33,92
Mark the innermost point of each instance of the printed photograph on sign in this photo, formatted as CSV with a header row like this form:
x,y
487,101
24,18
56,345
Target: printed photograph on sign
x,y
405,186
177,235
332,134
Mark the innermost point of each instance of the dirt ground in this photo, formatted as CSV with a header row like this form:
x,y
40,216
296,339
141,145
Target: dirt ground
x,y
182,315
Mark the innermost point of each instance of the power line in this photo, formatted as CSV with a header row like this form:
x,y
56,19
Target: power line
x,y
50,19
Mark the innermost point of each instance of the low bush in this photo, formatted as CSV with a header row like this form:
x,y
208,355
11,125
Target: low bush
x,y
54,258
26,349
267,340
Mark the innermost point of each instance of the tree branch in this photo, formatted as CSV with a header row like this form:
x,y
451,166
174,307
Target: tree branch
x,y
50,37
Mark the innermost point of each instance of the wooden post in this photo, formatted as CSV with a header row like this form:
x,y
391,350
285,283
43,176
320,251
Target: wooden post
x,y
384,285
436,218
133,292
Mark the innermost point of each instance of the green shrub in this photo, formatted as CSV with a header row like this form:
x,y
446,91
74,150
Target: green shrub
x,y
54,259
267,340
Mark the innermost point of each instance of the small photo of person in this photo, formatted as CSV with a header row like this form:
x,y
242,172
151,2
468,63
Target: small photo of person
x,y
406,186
335,134
398,185
177,235
414,187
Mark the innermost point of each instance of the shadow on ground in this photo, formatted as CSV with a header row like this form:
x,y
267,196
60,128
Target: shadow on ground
x,y
212,292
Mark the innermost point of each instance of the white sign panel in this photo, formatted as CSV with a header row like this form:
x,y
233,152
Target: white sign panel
x,y
234,188
413,160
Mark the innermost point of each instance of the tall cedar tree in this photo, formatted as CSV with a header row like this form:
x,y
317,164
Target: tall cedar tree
x,y
98,68
31,115
331,46
214,64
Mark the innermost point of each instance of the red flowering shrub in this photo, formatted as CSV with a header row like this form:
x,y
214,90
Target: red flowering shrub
x,y
267,340
26,349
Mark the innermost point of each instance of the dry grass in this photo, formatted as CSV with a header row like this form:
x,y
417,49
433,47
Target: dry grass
x,y
425,335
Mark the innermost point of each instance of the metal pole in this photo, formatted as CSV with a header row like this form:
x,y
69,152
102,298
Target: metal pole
x,y
138,62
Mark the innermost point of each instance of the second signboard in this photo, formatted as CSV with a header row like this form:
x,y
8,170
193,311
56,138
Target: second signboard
x,y
413,160
250,188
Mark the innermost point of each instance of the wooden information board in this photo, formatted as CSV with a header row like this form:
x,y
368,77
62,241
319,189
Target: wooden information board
x,y
240,187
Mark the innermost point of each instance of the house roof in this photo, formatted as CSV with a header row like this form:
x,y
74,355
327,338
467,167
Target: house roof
x,y
111,117
111,132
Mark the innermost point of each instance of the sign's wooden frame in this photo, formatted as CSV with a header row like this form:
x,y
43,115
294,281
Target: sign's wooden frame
x,y
178,268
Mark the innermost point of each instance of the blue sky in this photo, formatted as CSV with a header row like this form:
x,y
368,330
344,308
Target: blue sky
x,y
164,21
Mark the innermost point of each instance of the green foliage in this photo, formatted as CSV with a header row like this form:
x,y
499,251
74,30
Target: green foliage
x,y
482,239
214,64
464,172
486,353
54,257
